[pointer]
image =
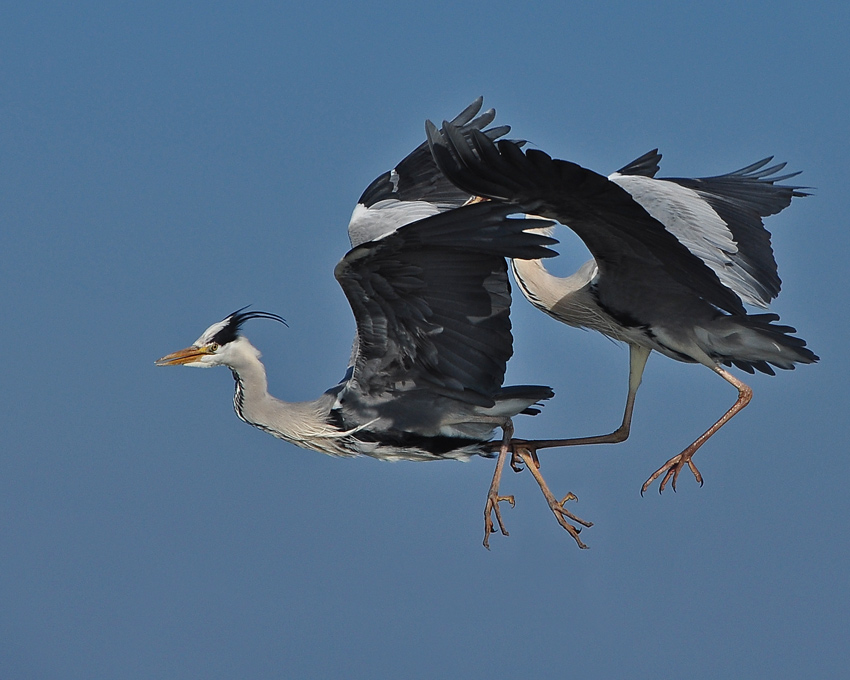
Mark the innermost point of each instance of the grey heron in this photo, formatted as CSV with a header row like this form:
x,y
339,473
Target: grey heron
x,y
427,282
674,261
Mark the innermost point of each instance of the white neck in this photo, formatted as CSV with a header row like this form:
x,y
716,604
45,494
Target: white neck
x,y
546,291
302,423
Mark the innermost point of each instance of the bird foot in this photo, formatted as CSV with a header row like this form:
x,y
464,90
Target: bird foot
x,y
671,470
524,456
491,508
527,455
561,514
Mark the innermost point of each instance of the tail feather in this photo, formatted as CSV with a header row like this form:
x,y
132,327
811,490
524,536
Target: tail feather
x,y
756,343
522,399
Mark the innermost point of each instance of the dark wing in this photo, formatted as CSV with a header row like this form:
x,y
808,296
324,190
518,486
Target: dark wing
x,y
432,302
415,188
741,199
645,166
629,245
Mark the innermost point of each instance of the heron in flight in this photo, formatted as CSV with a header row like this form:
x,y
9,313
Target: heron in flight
x,y
427,282
674,261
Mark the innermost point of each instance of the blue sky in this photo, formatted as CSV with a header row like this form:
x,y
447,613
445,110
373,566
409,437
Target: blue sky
x,y
163,164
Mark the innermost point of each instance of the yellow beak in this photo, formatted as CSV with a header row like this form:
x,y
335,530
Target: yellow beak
x,y
184,356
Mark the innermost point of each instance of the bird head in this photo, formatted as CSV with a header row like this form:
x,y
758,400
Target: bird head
x,y
219,344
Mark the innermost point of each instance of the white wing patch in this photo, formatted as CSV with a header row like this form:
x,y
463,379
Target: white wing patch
x,y
385,217
697,226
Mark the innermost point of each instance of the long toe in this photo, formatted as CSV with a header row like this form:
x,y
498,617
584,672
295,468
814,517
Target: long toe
x,y
671,470
491,508
696,473
561,508
571,530
561,514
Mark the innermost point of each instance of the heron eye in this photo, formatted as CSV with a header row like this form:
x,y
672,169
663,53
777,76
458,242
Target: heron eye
x,y
213,346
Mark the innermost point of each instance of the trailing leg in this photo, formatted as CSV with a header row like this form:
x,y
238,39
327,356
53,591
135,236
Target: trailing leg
x,y
676,464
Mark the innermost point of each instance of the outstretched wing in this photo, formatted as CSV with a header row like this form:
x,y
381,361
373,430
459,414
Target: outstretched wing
x,y
719,219
634,251
432,302
740,199
415,188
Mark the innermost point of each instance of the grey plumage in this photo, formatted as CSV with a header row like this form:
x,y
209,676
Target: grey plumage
x,y
432,307
674,260
430,294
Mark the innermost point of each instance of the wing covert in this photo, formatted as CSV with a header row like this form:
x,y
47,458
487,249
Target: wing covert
x,y
741,199
432,303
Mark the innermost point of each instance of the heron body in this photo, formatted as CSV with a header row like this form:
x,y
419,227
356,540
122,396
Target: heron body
x,y
428,285
674,260
427,282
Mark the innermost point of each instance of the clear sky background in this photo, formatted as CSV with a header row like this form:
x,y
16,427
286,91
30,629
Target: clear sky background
x,y
162,164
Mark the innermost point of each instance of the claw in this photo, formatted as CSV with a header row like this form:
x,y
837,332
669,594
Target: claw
x,y
671,470
560,507
560,515
516,461
695,472
492,506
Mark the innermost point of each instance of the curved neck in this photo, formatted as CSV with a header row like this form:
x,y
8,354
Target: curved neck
x,y
302,423
545,290
252,390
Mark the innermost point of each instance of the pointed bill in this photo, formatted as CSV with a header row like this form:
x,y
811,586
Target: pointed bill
x,y
184,356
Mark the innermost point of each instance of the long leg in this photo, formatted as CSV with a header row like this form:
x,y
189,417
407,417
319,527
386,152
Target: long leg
x,y
493,497
637,362
676,464
557,507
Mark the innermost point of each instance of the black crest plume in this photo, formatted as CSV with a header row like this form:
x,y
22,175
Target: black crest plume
x,y
233,324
